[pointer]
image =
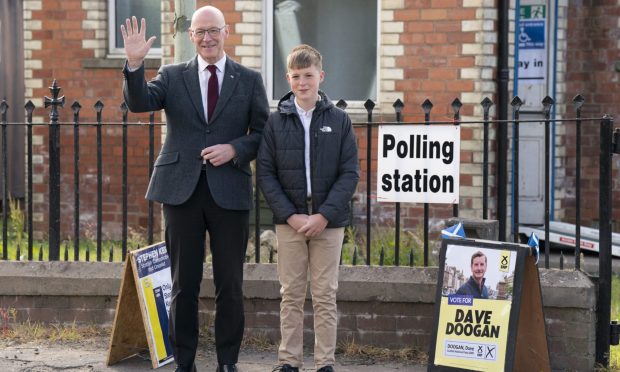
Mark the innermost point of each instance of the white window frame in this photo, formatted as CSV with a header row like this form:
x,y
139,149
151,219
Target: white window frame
x,y
115,52
353,106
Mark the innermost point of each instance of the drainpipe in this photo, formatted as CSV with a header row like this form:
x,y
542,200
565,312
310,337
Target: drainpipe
x,y
183,47
554,93
502,114
515,93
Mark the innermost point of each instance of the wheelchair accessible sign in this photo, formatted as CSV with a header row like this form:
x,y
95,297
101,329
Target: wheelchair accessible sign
x,y
531,37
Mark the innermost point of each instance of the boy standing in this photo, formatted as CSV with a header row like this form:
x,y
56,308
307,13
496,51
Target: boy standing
x,y
308,171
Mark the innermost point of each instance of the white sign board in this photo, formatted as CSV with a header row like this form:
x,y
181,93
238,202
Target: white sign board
x,y
533,66
532,52
152,266
419,163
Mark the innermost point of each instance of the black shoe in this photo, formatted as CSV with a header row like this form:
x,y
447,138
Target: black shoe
x,y
285,368
326,369
182,368
227,368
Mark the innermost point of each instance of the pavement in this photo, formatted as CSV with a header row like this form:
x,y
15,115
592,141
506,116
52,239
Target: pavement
x,y
90,355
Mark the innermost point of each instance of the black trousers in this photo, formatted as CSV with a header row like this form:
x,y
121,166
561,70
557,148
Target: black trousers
x,y
186,225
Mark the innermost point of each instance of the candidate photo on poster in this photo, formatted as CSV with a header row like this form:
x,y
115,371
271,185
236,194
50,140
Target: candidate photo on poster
x,y
479,272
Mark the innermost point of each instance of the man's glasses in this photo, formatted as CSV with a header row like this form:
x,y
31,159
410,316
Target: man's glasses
x,y
213,32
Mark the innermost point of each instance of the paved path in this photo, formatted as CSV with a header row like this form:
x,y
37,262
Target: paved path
x,y
91,356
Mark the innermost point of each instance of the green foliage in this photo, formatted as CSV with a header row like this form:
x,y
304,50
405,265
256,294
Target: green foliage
x,y
87,250
383,239
16,222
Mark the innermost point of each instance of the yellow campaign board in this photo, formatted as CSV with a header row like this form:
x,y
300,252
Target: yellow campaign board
x,y
145,290
479,294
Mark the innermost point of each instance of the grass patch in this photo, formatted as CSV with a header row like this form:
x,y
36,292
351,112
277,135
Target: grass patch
x,y
23,332
261,342
351,349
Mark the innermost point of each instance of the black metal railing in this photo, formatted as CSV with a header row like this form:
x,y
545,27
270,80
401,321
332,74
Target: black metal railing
x,y
609,145
54,225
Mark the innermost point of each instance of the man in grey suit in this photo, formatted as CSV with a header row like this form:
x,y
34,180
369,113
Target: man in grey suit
x,y
215,112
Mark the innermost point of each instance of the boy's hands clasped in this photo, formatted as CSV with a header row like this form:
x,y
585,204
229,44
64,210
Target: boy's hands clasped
x,y
310,226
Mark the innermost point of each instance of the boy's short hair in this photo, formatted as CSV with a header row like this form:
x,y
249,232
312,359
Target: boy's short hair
x,y
303,56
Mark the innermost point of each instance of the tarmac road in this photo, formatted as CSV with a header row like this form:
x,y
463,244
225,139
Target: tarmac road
x,y
91,355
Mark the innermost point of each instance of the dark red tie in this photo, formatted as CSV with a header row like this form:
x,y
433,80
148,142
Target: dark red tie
x,y
212,91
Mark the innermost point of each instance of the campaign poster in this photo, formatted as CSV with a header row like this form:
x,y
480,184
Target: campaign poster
x,y
419,163
476,299
152,268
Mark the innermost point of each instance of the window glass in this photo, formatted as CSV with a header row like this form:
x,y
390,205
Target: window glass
x,y
344,31
148,9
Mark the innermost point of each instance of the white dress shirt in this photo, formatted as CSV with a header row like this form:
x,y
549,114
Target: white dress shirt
x,y
306,118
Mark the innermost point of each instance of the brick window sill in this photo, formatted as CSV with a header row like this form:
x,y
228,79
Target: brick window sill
x,y
116,63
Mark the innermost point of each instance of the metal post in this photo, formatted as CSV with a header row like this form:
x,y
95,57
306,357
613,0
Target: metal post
x,y
503,22
369,105
604,257
125,111
183,47
398,107
54,172
547,103
578,102
516,106
151,166
29,110
99,108
427,106
456,108
5,199
76,180
486,106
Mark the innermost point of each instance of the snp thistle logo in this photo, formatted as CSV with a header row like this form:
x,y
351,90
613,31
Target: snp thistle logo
x,y
504,261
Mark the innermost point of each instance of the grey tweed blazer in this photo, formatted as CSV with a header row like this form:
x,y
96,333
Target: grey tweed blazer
x,y
239,118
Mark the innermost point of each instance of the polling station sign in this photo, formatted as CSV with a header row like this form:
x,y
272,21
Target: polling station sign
x,y
418,163
488,295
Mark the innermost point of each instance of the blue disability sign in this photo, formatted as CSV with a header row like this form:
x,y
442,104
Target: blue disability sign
x,y
532,34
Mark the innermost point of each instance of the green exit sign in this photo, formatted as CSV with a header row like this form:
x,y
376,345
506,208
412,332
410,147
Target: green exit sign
x,y
533,11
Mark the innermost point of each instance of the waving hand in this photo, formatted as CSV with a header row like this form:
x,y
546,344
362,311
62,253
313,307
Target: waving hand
x,y
136,45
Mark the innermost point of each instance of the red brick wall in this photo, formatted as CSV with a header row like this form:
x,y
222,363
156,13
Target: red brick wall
x,y
433,38
389,325
593,50
432,63
62,57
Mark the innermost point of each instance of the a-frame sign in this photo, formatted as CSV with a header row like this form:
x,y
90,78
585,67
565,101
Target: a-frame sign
x,y
141,318
488,309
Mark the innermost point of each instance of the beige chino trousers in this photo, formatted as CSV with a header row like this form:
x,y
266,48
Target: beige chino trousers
x,y
319,257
